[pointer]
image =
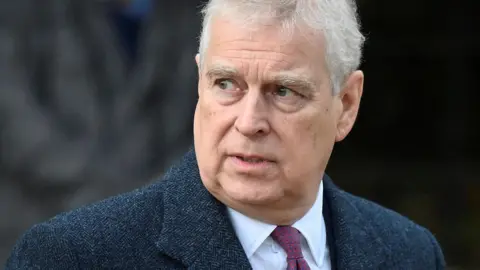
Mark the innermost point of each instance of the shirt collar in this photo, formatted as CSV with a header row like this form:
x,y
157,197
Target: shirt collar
x,y
252,233
312,227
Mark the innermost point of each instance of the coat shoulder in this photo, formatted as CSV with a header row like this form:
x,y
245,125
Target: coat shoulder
x,y
405,238
120,229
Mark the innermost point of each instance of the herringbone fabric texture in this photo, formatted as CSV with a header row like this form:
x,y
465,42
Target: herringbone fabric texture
x,y
289,239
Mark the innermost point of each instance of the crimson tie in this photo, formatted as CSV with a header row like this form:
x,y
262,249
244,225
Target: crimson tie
x,y
289,239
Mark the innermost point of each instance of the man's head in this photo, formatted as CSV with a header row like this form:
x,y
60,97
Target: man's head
x,y
278,87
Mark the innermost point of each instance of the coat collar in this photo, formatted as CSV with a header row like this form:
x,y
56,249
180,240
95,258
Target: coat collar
x,y
197,231
355,242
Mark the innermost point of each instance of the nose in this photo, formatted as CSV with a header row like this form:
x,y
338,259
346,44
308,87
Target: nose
x,y
252,119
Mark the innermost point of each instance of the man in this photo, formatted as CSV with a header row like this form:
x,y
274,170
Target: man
x,y
278,86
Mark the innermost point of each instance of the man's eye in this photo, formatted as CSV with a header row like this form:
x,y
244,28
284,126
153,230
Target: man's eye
x,y
225,84
283,91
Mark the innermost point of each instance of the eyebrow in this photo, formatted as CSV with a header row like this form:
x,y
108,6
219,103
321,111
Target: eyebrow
x,y
294,81
287,79
219,71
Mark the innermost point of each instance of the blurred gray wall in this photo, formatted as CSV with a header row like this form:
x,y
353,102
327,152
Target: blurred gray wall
x,y
77,124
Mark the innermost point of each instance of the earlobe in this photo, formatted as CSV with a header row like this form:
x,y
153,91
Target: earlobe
x,y
197,60
350,102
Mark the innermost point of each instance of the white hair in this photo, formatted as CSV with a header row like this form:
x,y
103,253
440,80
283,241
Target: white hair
x,y
335,20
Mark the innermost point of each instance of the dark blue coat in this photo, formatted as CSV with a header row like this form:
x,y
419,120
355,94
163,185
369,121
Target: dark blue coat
x,y
177,224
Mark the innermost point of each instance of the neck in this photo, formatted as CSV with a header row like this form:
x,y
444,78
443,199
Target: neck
x,y
277,214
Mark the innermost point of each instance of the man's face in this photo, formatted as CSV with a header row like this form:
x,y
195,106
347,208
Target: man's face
x,y
266,120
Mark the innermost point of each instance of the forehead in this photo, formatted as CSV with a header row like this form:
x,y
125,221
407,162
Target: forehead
x,y
265,46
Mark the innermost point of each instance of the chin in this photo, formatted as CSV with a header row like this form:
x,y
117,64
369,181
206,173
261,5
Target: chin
x,y
250,191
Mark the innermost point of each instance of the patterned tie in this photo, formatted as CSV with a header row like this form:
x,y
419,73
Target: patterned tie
x,y
289,239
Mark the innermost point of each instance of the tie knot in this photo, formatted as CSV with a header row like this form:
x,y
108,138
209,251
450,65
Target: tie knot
x,y
289,239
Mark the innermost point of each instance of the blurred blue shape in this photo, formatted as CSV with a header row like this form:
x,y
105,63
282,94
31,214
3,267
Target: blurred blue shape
x,y
129,21
137,8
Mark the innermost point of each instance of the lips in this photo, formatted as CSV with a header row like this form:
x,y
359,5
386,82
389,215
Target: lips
x,y
252,158
251,165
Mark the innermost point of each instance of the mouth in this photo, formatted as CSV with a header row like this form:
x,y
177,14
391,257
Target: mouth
x,y
251,159
254,159
251,164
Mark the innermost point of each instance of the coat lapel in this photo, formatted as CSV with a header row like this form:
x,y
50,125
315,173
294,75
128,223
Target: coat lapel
x,y
356,244
196,228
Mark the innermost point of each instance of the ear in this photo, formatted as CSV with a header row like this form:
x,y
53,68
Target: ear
x,y
197,60
349,97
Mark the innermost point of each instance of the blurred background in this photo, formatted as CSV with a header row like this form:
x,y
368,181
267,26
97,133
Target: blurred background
x,y
97,98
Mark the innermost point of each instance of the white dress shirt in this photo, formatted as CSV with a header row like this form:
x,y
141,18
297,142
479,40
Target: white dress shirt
x,y
265,254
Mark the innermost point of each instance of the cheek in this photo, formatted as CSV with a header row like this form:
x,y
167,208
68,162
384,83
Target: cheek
x,y
203,122
308,143
212,123
204,140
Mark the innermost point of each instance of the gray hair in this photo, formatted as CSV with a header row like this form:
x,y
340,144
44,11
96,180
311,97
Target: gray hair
x,y
336,20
